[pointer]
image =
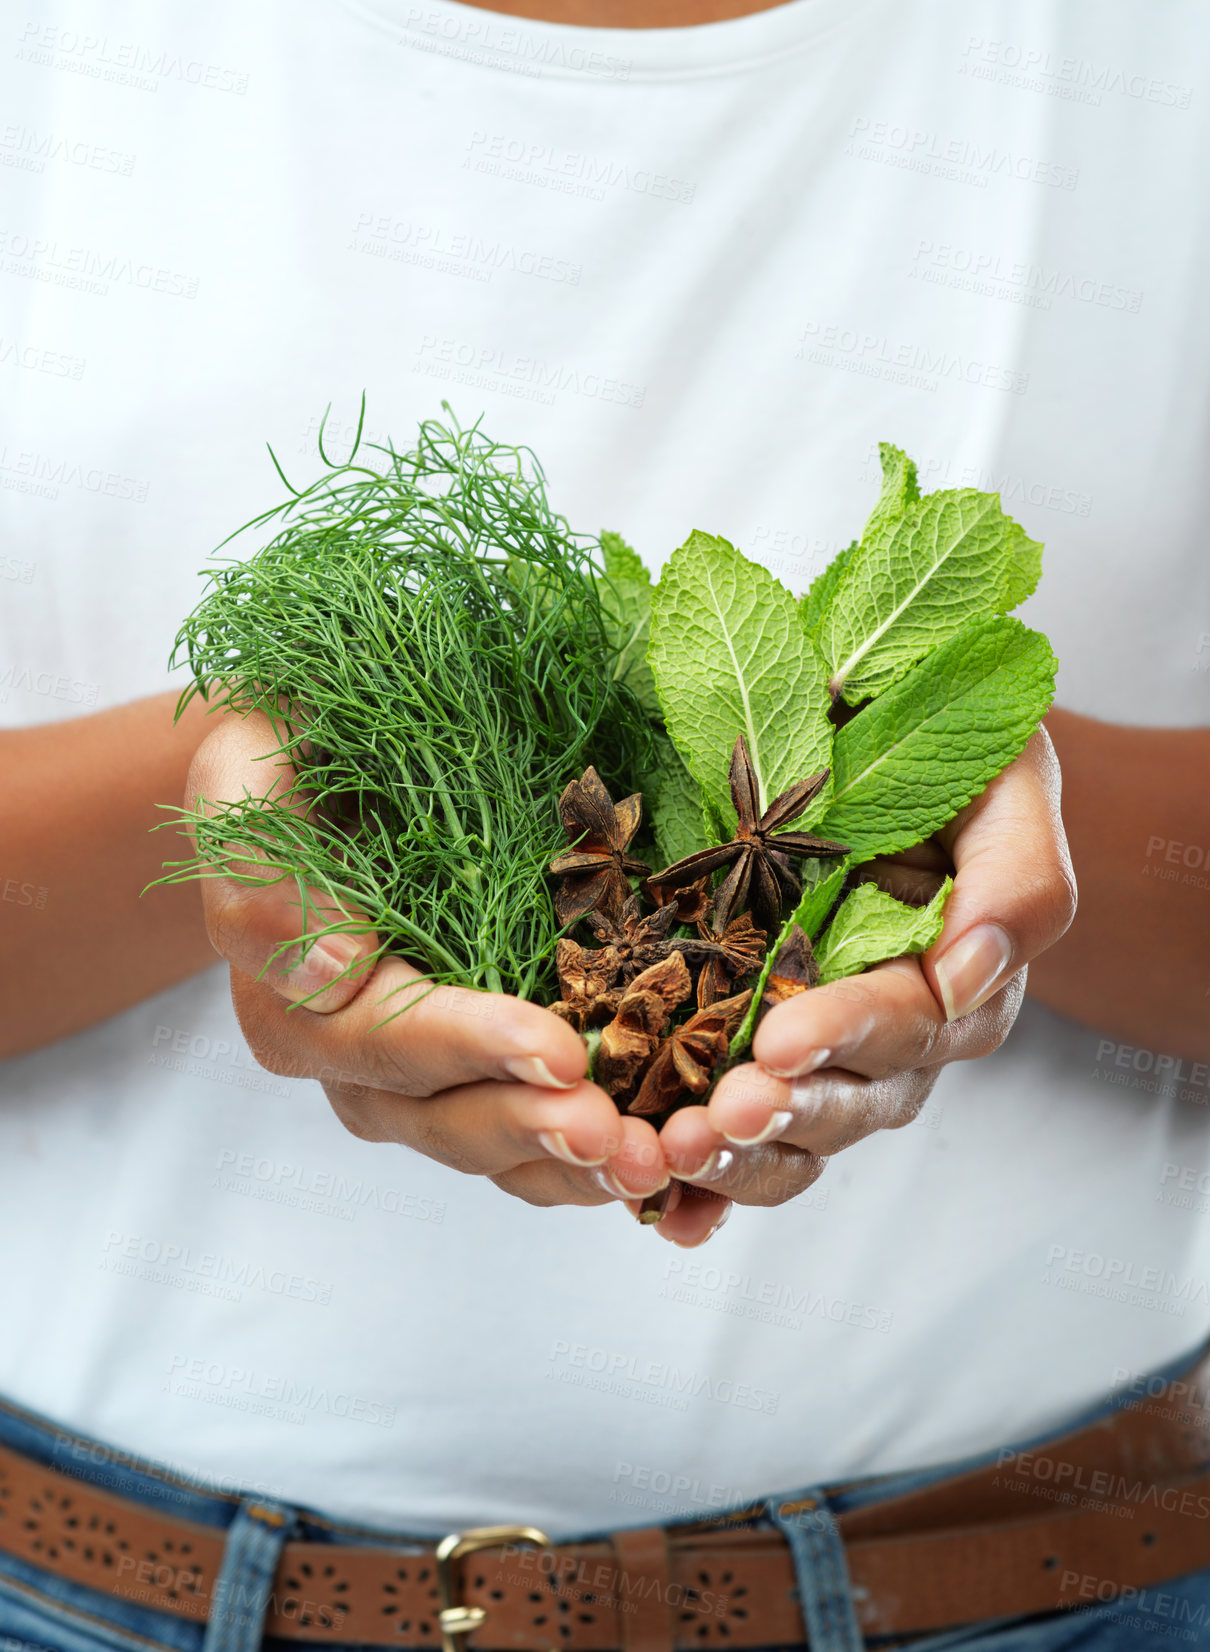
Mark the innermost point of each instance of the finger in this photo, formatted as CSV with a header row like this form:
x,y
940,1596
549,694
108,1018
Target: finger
x,y
766,1174
403,1033
876,1024
808,1120
492,1129
915,885
695,1217
1014,892
628,1176
258,913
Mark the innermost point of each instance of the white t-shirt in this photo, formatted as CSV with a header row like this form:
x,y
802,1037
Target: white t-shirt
x,y
703,272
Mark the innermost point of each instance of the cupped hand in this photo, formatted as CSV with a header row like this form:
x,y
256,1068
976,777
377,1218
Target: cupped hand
x,y
862,1054
485,1083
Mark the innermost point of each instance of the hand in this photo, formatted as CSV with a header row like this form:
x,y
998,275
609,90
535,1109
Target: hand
x,y
837,1063
484,1083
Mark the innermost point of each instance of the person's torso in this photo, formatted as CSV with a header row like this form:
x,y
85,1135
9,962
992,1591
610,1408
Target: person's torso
x,y
702,273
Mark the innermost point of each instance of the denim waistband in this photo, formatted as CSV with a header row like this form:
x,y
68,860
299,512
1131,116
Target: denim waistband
x,y
254,1542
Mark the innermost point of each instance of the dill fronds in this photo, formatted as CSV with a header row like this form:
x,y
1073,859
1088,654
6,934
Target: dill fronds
x,y
428,638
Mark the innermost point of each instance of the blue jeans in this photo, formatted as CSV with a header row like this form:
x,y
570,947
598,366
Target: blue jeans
x,y
42,1613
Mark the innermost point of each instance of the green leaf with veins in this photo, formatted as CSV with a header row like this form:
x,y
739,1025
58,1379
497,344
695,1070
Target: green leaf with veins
x,y
678,819
915,581
871,926
730,657
626,600
900,489
908,762
818,900
812,607
1024,569
621,561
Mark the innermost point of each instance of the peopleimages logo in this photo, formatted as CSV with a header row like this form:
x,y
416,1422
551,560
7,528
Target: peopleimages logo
x,y
1094,1274
123,62
54,685
163,1262
571,171
769,1301
1074,79
242,1389
328,1192
998,276
513,374
488,38
962,160
1121,1489
30,150
632,1378
901,361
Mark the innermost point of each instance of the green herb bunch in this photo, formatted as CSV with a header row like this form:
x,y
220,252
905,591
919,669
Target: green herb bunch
x,y
464,687
798,740
429,640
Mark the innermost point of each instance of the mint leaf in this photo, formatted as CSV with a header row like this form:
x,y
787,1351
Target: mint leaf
x,y
817,902
812,606
900,488
678,820
626,598
1024,570
909,761
871,925
914,581
621,561
730,657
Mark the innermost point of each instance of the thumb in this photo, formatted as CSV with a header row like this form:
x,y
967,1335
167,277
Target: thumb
x,y
260,916
1014,889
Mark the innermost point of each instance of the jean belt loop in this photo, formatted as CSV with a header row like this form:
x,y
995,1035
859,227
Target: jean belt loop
x,y
242,1590
817,1549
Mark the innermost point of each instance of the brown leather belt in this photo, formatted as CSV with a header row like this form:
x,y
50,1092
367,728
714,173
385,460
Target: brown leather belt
x,y
1116,1506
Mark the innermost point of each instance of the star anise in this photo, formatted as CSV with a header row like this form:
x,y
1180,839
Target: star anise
x,y
588,982
738,951
594,870
633,1036
795,969
692,902
686,1059
638,941
758,854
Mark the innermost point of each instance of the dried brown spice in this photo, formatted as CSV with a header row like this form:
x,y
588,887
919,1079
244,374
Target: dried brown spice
x,y
638,941
589,984
686,1059
759,859
727,957
632,1038
693,902
795,969
594,870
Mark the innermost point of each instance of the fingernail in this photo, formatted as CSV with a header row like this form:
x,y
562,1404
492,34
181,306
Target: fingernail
x,y
968,971
722,1222
655,1208
718,1164
777,1123
555,1143
531,1069
817,1058
609,1183
324,961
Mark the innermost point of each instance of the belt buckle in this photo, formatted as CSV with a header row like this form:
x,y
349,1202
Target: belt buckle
x,y
454,1618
